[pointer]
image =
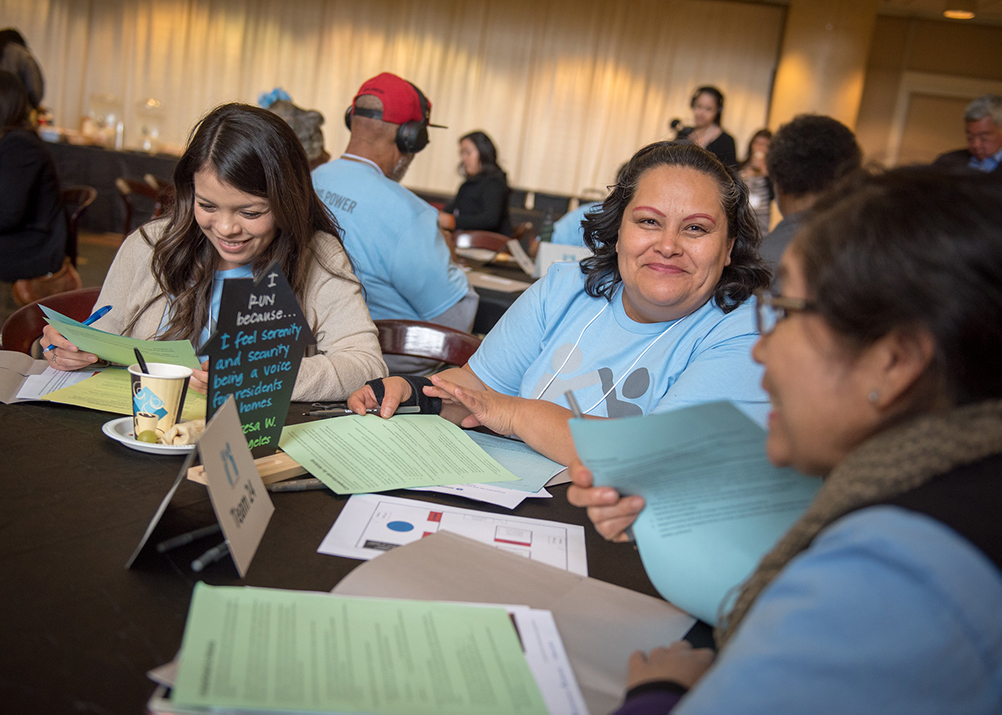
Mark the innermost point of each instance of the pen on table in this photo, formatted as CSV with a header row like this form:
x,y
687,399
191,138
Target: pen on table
x,y
186,538
339,411
210,557
94,317
575,410
297,485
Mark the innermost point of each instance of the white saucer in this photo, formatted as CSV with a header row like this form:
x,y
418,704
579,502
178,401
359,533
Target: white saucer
x,y
120,430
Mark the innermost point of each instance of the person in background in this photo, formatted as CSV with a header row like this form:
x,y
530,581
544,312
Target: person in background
x,y
756,174
305,123
243,199
658,318
568,230
16,58
399,253
881,362
33,225
482,201
707,105
806,157
983,125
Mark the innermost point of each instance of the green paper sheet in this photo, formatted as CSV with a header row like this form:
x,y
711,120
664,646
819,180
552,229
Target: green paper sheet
x,y
715,505
111,391
288,651
118,348
362,454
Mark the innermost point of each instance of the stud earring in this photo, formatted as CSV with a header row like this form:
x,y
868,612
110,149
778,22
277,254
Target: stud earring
x,y
874,396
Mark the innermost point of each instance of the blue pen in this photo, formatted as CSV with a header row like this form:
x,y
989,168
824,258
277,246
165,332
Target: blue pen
x,y
94,317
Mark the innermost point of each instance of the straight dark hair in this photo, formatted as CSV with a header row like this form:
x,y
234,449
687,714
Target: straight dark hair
x,y
914,247
254,151
14,106
488,153
739,280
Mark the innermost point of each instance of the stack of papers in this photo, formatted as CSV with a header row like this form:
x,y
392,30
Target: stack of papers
x,y
251,649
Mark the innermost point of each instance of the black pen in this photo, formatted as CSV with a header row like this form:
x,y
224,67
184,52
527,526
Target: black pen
x,y
344,411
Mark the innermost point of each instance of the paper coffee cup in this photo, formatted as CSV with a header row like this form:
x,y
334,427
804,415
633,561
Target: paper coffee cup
x,y
157,397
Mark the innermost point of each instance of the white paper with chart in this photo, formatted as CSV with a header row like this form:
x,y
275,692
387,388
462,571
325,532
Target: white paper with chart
x,y
372,524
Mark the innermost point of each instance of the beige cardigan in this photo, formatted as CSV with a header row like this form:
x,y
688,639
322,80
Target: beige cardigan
x,y
347,346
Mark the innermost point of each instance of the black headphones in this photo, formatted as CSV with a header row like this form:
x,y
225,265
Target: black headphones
x,y
412,137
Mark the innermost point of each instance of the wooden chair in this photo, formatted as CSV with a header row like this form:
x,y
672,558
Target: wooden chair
x,y
482,239
160,192
76,199
414,338
24,326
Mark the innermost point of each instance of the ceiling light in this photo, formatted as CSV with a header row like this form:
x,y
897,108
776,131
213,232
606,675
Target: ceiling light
x,y
960,9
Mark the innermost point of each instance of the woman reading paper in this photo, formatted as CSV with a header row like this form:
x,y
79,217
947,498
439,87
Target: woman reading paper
x,y
243,198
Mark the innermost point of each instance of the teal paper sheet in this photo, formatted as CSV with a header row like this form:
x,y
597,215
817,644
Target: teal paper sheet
x,y
715,505
520,459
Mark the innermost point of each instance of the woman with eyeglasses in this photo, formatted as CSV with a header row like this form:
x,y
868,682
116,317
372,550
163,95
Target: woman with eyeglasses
x,y
881,356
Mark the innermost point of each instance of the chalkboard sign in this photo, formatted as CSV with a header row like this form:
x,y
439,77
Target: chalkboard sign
x,y
254,355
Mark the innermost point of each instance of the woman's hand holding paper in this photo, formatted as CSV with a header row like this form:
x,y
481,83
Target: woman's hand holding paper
x,y
199,381
678,663
65,355
611,514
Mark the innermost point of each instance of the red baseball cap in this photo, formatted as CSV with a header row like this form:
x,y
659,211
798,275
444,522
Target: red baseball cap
x,y
401,99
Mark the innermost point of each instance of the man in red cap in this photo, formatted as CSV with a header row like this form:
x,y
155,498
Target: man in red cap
x,y
391,235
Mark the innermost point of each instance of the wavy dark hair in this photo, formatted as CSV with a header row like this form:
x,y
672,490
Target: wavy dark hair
x,y
739,280
916,247
254,151
488,153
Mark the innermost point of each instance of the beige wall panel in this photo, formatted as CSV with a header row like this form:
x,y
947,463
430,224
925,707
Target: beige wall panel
x,y
823,60
931,128
971,54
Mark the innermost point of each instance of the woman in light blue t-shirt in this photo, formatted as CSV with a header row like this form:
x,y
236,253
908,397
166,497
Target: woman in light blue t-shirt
x,y
656,319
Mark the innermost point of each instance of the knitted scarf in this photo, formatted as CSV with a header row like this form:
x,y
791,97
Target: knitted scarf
x,y
891,463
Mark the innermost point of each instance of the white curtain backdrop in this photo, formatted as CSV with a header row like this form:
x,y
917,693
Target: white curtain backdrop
x,y
568,89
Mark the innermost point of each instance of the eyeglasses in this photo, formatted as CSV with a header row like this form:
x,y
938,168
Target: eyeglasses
x,y
771,308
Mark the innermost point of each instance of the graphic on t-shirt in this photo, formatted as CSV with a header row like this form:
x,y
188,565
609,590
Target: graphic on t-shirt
x,y
570,357
634,386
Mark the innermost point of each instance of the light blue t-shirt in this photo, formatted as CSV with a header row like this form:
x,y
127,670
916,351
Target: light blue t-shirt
x,y
244,271
567,230
392,236
888,611
703,357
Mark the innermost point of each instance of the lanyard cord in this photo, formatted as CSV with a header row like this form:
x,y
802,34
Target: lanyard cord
x,y
625,373
362,159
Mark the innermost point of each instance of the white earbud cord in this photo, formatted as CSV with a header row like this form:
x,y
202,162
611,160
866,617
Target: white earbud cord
x,y
569,353
621,378
630,368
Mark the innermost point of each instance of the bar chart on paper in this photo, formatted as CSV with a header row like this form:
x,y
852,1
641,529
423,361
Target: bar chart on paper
x,y
371,524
